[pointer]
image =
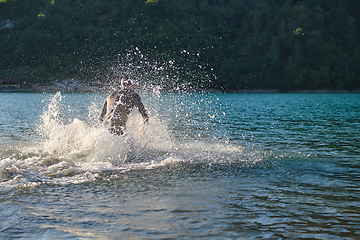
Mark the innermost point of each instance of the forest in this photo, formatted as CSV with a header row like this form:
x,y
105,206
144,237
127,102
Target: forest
x,y
198,44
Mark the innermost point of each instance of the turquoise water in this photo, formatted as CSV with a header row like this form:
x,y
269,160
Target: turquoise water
x,y
212,166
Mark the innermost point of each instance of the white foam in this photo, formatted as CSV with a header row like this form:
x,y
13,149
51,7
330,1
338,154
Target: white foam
x,y
77,179
78,141
7,162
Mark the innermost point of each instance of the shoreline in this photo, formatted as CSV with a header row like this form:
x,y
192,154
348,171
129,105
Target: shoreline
x,y
92,89
298,91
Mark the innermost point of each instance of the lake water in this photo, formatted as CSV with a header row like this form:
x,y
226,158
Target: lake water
x,y
211,166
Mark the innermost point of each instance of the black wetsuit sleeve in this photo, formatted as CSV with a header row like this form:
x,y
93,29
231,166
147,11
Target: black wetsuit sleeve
x,y
140,106
103,111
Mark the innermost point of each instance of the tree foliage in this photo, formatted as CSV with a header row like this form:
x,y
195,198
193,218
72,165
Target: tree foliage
x,y
283,44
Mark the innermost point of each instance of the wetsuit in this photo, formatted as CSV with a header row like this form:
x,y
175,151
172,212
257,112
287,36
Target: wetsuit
x,y
117,108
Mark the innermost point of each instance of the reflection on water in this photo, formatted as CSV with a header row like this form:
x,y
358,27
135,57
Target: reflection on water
x,y
273,166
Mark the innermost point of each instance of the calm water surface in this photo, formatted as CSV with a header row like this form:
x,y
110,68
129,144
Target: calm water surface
x,y
212,166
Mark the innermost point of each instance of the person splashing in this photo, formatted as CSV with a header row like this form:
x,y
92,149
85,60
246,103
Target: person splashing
x,y
118,106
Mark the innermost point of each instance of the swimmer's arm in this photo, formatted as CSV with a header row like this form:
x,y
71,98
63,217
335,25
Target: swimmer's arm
x,y
140,107
143,112
103,111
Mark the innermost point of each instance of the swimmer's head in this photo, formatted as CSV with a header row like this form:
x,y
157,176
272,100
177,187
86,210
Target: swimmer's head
x,y
126,82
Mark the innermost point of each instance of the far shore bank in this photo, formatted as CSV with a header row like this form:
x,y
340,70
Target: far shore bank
x,y
96,89
298,91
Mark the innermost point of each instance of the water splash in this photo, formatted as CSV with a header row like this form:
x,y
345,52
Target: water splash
x,y
78,149
80,141
152,70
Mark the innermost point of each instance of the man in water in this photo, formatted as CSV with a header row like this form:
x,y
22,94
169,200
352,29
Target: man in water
x,y
118,106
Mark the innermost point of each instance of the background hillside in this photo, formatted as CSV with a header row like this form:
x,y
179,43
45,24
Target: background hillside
x,y
224,44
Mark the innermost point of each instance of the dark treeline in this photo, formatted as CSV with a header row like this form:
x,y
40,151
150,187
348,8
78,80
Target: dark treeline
x,y
236,44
